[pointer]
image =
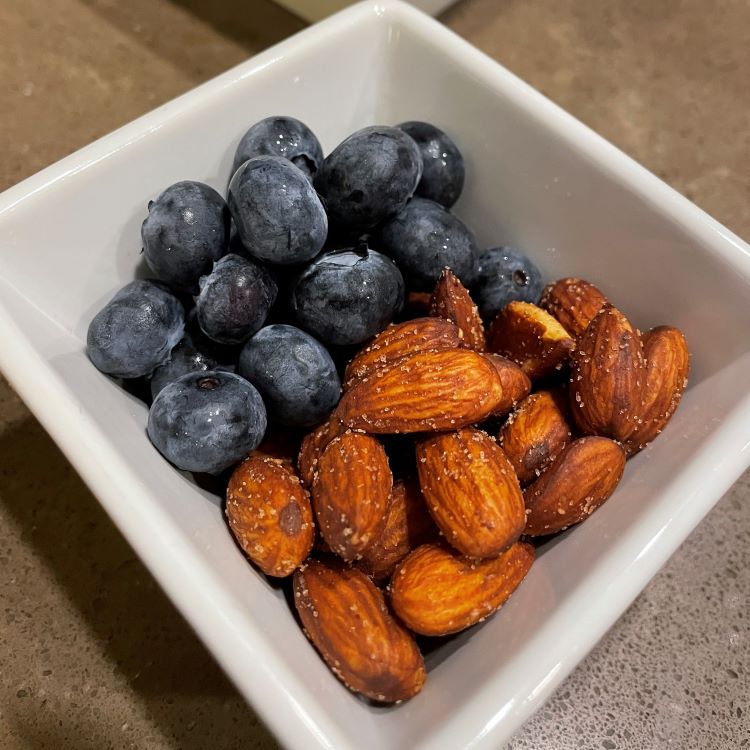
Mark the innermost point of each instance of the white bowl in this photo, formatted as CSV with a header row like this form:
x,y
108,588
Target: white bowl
x,y
537,178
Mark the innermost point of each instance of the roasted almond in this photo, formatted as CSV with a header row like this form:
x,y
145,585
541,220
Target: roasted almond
x,y
535,433
426,392
313,444
345,616
451,300
436,591
471,491
574,302
417,305
530,337
402,340
350,493
608,376
269,514
407,525
515,382
667,368
582,477
282,444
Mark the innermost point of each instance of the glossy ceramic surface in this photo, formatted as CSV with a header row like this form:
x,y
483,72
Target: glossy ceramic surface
x,y
537,178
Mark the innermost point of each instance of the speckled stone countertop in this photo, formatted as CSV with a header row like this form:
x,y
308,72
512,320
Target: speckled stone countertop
x,y
92,655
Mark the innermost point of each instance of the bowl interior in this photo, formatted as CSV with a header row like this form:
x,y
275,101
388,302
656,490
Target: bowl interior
x,y
535,179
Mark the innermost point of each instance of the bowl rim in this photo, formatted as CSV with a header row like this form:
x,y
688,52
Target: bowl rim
x,y
276,693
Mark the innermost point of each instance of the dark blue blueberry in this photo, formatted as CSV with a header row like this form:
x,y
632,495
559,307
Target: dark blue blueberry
x,y
443,172
346,296
185,232
504,275
207,421
293,372
234,299
184,358
369,177
423,239
281,136
134,332
278,214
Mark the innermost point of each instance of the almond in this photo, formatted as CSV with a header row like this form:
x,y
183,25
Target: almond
x,y
451,300
574,302
607,377
350,493
270,516
417,305
313,444
530,337
426,392
407,525
345,616
535,434
436,591
667,368
584,475
515,382
282,444
402,340
471,491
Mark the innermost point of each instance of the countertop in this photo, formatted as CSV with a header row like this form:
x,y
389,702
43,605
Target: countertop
x,y
92,655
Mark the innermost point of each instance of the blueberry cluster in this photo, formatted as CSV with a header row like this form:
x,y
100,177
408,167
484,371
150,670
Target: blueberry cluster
x,y
254,298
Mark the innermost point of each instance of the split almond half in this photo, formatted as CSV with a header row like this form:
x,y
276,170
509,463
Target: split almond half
x,y
471,491
530,337
269,514
345,616
584,475
451,300
436,591
313,445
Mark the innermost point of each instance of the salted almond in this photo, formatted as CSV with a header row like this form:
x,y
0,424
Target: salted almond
x,y
417,305
281,444
436,591
667,369
402,340
350,493
269,515
471,491
425,392
451,300
574,302
345,616
313,444
407,525
608,377
514,381
535,434
584,475
531,338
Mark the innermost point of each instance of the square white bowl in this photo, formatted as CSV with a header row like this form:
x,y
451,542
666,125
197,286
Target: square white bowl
x,y
537,178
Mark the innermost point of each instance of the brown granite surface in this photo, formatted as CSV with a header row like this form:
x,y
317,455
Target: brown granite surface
x,y
92,655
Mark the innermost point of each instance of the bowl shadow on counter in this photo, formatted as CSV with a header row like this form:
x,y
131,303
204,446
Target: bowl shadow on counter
x,y
137,630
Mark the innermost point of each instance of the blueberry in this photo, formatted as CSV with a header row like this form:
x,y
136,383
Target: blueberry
x,y
184,358
234,299
423,239
443,172
281,136
185,232
134,332
369,177
504,275
346,296
293,372
207,421
279,216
